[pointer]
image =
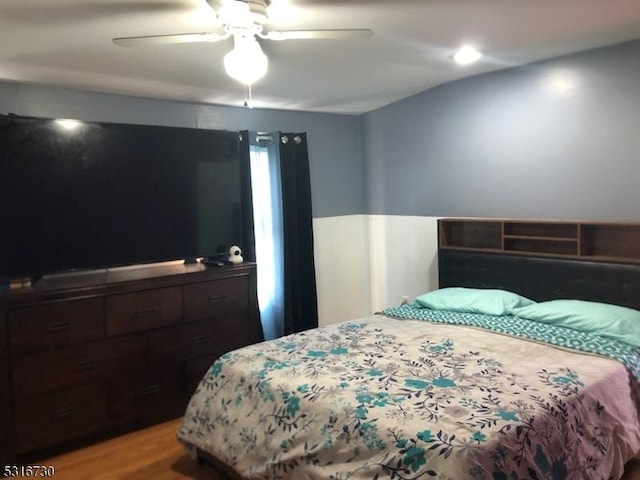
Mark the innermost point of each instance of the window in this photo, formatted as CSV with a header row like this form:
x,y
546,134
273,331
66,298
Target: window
x,y
267,218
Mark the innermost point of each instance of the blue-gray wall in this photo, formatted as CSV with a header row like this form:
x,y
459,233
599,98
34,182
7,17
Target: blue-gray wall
x,y
334,141
555,139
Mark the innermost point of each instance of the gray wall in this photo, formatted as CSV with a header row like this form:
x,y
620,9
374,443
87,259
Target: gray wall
x,y
337,182
555,139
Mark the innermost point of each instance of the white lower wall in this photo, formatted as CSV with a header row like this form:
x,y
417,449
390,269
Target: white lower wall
x,y
403,257
342,270
365,263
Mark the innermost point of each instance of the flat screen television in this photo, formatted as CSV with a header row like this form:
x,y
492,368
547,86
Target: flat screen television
x,y
82,196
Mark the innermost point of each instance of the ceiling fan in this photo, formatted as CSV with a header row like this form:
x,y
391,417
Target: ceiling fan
x,y
243,20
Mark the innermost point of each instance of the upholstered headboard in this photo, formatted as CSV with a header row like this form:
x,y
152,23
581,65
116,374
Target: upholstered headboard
x,y
541,278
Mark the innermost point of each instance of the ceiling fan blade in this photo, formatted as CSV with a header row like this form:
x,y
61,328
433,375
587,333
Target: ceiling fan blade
x,y
169,39
317,34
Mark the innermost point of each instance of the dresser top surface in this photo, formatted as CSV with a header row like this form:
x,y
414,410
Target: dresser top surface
x,y
108,281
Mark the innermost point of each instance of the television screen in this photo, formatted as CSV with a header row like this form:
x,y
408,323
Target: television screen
x,y
76,195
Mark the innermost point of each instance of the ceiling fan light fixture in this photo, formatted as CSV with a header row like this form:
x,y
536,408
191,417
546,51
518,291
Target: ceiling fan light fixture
x,y
246,63
244,21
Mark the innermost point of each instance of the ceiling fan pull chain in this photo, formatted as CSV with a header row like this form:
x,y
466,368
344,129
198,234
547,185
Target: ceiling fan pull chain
x,y
248,101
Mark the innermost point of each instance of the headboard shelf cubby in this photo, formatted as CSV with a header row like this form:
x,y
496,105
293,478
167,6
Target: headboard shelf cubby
x,y
601,241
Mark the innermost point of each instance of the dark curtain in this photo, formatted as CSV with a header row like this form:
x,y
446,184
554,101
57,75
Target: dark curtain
x,y
300,298
246,207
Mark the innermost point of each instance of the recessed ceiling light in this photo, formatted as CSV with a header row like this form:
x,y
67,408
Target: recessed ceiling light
x,y
68,123
466,55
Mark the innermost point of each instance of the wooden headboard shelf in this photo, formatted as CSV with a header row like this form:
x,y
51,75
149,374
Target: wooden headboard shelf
x,y
596,241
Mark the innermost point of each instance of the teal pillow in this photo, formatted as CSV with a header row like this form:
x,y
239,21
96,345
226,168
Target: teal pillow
x,y
473,300
606,320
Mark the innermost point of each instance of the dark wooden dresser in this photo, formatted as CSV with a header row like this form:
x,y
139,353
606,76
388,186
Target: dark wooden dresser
x,y
90,355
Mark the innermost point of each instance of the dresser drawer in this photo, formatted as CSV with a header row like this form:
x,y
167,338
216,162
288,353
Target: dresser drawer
x,y
76,365
5,392
195,371
48,419
6,451
177,344
233,333
42,327
150,395
228,297
140,311
6,432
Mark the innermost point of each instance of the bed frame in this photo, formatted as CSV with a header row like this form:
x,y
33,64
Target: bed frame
x,y
543,259
542,278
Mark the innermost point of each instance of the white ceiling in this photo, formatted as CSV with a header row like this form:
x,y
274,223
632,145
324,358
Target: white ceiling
x,y
68,43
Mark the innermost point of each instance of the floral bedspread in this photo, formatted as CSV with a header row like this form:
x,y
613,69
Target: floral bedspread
x,y
397,398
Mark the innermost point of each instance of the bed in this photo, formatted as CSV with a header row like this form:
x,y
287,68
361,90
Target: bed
x,y
415,392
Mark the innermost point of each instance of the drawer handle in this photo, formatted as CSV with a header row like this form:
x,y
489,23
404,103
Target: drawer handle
x,y
85,365
145,312
58,326
200,339
217,298
149,390
65,412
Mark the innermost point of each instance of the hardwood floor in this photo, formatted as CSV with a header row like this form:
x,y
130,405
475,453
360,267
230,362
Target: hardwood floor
x,y
153,453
